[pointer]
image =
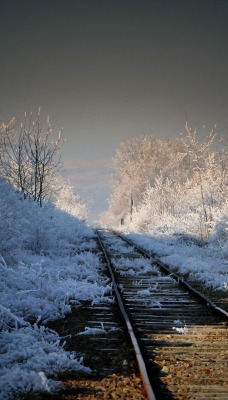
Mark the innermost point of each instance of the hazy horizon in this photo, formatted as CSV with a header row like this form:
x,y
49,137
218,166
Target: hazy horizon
x,y
110,70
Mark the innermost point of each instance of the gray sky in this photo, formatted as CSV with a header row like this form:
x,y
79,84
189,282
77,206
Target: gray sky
x,y
108,70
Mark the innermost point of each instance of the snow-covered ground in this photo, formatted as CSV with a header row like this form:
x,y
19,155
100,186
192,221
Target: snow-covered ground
x,y
33,293
47,264
207,263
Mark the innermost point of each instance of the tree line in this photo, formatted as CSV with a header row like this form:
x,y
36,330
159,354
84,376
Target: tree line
x,y
168,178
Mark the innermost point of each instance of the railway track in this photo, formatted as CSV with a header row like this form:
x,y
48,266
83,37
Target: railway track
x,y
180,338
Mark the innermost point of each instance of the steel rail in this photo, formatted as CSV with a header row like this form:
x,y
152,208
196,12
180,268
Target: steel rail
x,y
175,363
180,280
141,364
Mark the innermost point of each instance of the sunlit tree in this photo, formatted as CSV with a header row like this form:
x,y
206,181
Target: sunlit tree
x,y
137,164
180,182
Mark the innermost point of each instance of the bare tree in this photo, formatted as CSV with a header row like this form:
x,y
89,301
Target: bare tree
x,y
30,158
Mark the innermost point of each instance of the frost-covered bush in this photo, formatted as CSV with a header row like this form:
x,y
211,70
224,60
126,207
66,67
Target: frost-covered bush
x,y
41,230
14,225
66,200
28,355
220,233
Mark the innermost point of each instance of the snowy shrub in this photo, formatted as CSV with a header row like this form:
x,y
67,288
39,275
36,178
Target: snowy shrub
x,y
28,355
221,231
12,231
220,234
66,200
40,230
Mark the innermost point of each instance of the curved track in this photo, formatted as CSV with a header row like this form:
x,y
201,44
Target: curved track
x,y
180,338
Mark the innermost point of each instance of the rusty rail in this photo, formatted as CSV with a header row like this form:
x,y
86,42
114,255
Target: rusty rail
x,y
141,364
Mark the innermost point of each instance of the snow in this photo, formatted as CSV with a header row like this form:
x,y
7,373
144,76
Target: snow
x,y
28,355
183,330
207,263
98,331
128,266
